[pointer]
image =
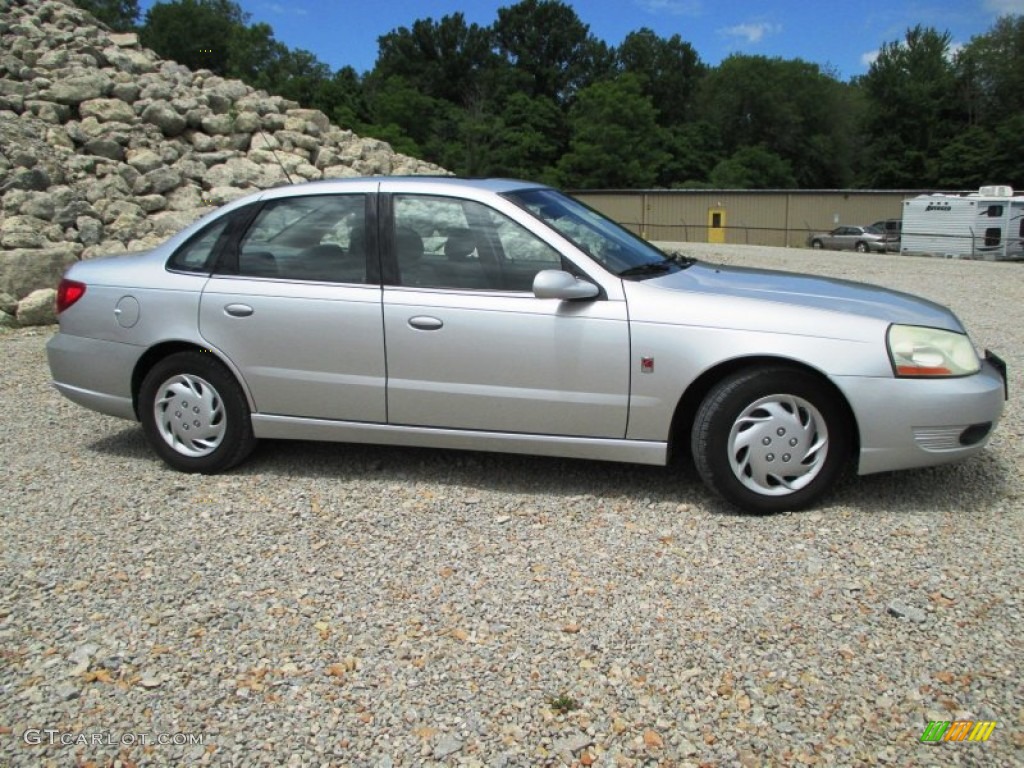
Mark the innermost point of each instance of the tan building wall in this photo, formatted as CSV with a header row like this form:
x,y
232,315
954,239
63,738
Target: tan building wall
x,y
752,217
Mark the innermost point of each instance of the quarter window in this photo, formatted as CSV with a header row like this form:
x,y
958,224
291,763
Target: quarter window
x,y
445,242
318,238
195,255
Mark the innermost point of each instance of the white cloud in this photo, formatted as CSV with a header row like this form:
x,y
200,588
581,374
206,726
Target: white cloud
x,y
671,7
751,33
282,10
869,58
1005,7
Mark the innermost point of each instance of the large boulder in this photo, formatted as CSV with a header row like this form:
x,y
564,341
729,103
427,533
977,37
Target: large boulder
x,y
107,110
38,308
75,89
23,270
165,117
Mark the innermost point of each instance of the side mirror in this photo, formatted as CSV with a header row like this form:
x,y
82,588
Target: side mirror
x,y
556,284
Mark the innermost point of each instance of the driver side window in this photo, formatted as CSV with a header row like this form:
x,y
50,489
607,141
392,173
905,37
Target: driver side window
x,y
443,242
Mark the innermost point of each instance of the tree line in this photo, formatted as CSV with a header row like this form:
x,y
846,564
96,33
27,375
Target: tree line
x,y
535,95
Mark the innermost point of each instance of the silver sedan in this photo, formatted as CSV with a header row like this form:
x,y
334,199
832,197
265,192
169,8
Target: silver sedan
x,y
846,238
506,316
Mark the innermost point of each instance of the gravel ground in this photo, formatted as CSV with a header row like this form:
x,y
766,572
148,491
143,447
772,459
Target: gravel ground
x,y
357,606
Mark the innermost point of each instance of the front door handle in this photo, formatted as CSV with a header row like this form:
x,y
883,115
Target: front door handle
x,y
425,323
238,310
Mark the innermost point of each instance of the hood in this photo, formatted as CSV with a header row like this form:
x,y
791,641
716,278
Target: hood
x,y
811,291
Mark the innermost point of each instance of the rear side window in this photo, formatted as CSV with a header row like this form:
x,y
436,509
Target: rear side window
x,y
196,255
318,238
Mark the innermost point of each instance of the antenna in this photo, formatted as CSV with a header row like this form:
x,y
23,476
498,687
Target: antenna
x,y
274,152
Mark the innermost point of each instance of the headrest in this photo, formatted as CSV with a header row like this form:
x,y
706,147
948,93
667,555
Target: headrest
x,y
459,245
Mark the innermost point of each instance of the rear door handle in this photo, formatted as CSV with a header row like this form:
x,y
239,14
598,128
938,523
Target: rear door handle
x,y
425,323
238,310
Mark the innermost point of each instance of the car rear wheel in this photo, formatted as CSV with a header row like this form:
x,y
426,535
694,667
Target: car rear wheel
x,y
862,247
194,413
770,439
817,244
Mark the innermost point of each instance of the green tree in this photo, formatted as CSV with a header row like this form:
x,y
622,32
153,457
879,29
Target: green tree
x,y
912,110
302,77
414,122
253,55
694,148
551,51
119,15
616,141
990,78
347,103
753,168
446,60
789,107
990,72
530,137
670,72
196,33
965,162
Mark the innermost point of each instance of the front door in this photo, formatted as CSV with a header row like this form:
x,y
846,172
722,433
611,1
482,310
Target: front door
x,y
716,225
470,347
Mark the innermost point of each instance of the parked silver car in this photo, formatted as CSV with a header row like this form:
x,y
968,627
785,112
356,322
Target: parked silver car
x,y
845,238
506,316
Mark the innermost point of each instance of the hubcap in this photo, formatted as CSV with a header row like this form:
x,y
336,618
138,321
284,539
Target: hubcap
x,y
778,445
190,415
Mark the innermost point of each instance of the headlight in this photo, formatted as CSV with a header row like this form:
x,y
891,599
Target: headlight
x,y
918,351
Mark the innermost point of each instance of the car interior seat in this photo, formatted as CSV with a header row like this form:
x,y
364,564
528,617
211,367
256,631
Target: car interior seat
x,y
460,270
257,264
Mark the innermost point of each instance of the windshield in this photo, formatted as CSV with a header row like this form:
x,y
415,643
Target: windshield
x,y
616,249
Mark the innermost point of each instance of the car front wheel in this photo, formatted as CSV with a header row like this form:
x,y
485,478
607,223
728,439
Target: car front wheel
x,y
862,247
770,440
194,413
817,245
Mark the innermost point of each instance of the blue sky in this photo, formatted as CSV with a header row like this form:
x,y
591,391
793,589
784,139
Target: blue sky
x,y
843,36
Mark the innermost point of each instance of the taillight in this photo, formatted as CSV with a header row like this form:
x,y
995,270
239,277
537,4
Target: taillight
x,y
68,292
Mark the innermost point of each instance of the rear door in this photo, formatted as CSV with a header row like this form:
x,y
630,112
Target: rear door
x,y
296,306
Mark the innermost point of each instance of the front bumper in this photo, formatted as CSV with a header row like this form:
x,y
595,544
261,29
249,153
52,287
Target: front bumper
x,y
94,373
907,423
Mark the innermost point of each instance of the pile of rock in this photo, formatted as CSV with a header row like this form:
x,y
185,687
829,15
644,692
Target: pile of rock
x,y
106,148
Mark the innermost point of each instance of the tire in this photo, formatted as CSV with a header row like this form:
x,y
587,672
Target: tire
x,y
817,245
759,422
861,247
214,433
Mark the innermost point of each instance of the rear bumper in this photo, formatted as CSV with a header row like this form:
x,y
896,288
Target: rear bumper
x,y
94,373
938,421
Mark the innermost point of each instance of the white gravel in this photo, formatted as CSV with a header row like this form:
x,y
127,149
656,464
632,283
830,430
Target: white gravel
x,y
357,606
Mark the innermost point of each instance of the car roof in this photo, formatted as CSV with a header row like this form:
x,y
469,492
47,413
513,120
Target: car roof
x,y
441,184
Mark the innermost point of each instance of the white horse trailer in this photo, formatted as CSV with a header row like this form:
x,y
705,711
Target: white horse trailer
x,y
988,224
